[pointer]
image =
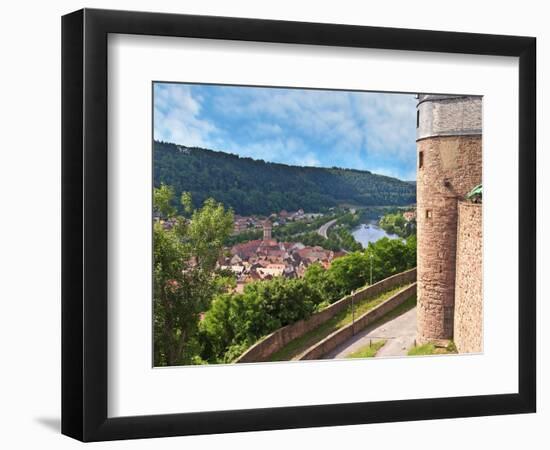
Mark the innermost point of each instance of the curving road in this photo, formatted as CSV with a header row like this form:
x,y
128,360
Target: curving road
x,y
323,230
399,334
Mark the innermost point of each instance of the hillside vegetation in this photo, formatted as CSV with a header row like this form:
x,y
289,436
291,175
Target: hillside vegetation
x,y
251,186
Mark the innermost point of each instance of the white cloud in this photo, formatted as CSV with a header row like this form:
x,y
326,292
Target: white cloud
x,y
361,123
177,117
305,127
389,124
266,129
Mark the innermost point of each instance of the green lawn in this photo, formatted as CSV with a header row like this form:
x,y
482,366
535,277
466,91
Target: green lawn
x,y
432,349
296,347
368,351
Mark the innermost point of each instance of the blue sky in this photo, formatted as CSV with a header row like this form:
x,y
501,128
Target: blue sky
x,y
360,130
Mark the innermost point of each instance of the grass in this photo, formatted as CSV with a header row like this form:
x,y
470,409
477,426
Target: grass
x,y
420,350
296,347
368,351
408,304
432,349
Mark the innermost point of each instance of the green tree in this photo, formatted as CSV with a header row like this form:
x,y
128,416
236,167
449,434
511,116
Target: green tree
x,y
236,321
185,277
162,201
396,224
227,178
349,272
323,281
390,256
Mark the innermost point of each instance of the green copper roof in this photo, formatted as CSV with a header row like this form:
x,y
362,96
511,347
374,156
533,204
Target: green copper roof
x,y
475,192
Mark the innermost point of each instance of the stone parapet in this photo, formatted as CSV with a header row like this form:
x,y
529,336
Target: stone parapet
x,y
263,349
340,336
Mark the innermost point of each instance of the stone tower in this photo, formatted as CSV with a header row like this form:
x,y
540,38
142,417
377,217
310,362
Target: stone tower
x,y
448,167
267,230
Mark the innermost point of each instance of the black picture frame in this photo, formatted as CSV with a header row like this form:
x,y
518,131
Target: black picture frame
x,y
84,224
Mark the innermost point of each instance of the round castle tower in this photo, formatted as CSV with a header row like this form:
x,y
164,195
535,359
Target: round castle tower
x,y
448,167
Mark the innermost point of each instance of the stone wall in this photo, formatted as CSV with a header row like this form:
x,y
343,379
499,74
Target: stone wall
x,y
468,313
262,350
450,168
340,336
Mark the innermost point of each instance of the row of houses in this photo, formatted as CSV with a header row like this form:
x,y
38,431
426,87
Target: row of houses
x,y
266,259
247,223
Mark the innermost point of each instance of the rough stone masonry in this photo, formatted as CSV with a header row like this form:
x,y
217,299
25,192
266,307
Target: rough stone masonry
x,y
468,317
449,148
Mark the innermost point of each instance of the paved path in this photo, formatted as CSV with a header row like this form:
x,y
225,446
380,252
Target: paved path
x,y
399,334
324,228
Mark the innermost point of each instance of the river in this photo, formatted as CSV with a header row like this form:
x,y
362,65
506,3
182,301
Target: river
x,y
370,232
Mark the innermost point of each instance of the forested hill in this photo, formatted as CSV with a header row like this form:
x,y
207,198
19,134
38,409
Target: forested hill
x,y
257,187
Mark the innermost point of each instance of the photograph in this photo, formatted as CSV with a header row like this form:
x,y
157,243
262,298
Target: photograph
x,y
294,224
266,225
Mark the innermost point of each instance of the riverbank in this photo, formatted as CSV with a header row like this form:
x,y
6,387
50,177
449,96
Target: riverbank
x,y
370,232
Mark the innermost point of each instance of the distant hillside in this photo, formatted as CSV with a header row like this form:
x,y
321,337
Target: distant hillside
x,y
257,187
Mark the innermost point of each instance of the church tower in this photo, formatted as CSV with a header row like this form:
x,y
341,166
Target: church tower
x,y
267,230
